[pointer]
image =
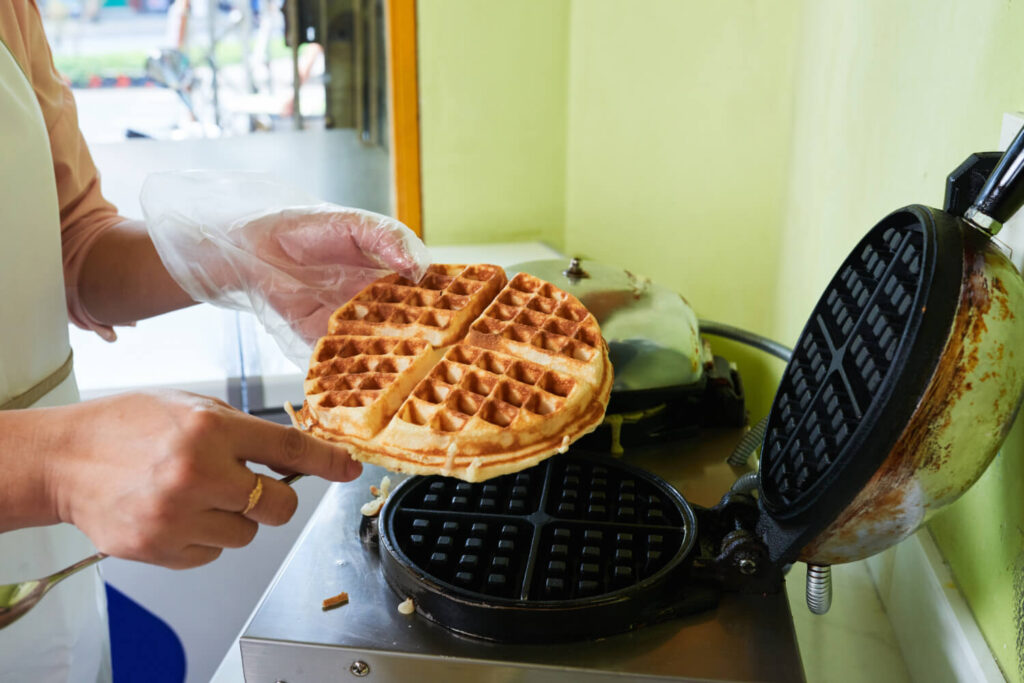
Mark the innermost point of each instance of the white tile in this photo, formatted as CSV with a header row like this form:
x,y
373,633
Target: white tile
x,y
936,630
854,642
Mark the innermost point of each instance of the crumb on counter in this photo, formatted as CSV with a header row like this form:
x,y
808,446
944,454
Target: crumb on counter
x,y
336,601
380,494
372,508
407,607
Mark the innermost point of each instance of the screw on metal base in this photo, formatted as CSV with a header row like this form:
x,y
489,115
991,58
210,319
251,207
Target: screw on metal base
x,y
819,588
359,668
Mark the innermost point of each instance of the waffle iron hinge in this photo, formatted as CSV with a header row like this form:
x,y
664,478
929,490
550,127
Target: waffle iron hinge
x,y
730,553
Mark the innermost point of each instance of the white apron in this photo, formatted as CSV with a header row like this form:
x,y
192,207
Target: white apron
x,y
64,638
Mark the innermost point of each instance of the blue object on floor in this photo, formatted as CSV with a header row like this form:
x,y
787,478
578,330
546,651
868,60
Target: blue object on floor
x,y
143,648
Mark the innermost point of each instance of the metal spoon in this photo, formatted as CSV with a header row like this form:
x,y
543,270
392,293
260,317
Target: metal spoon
x,y
16,599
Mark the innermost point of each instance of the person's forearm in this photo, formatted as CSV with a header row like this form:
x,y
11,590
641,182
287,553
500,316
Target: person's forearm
x,y
26,439
123,279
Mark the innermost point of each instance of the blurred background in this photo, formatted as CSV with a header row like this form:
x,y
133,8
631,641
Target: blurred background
x,y
186,69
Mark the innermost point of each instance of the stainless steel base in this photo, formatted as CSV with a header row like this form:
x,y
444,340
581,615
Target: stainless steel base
x,y
290,639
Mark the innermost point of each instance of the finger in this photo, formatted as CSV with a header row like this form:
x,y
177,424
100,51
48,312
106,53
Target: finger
x,y
323,239
308,311
394,246
191,556
229,486
306,315
220,529
276,505
314,325
289,449
292,304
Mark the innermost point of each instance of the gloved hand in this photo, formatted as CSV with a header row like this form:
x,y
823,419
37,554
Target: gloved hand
x,y
247,242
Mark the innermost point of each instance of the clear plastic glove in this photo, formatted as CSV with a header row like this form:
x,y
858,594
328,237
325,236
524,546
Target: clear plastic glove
x,y
248,242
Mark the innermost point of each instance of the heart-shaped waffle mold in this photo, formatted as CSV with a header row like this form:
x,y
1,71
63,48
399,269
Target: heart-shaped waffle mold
x,y
461,374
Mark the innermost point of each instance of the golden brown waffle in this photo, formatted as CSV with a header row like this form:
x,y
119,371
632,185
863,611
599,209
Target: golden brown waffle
x,y
436,309
534,320
529,376
356,383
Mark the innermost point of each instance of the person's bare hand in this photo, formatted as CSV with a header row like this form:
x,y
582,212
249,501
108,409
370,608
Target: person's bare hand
x,y
161,477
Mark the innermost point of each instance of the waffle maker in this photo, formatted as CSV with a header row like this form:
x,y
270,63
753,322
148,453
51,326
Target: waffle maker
x,y
579,547
668,383
862,444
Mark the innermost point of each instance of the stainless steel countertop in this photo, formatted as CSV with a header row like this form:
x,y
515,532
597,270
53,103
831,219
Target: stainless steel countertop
x,y
748,637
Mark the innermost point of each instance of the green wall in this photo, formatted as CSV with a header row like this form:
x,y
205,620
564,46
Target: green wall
x,y
734,151
492,78
613,133
679,140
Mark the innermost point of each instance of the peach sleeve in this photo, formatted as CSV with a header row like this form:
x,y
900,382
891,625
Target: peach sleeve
x,y
84,213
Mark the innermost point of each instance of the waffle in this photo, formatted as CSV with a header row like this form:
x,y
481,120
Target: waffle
x,y
356,383
452,376
437,309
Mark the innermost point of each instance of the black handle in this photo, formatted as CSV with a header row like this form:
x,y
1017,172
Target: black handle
x,y
964,184
1003,192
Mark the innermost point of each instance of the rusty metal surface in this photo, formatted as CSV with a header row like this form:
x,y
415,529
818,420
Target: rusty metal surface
x,y
959,424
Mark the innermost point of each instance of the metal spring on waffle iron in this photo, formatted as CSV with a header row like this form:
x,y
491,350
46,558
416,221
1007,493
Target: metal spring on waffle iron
x,y
750,442
753,438
819,588
746,483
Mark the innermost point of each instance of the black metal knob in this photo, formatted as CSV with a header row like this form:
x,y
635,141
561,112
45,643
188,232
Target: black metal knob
x,y
964,184
1003,192
575,271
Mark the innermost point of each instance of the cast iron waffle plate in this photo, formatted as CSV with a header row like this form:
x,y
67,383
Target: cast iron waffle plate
x,y
858,370
579,546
